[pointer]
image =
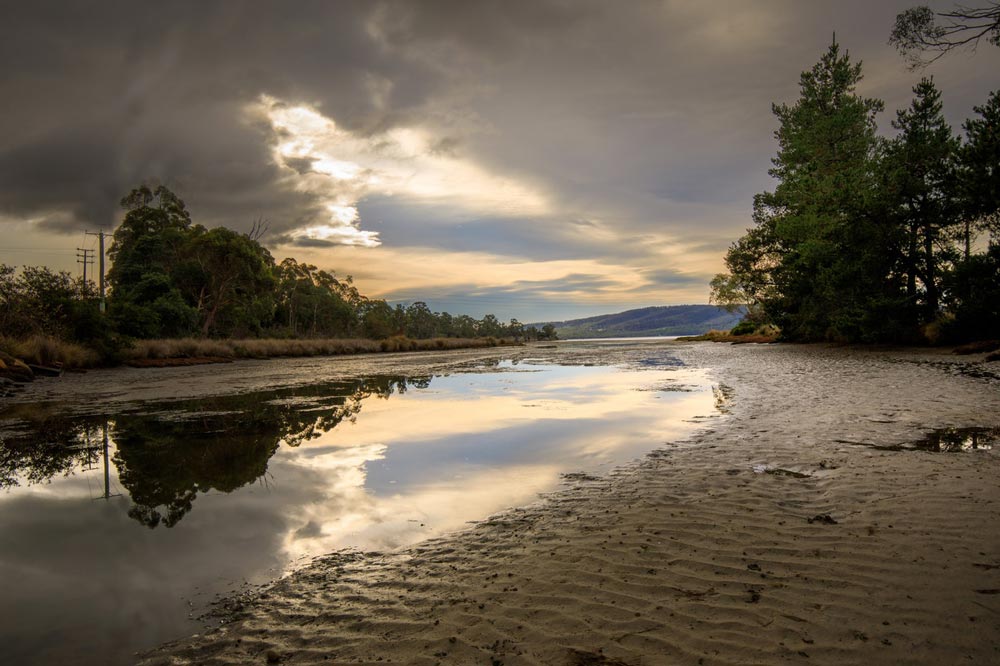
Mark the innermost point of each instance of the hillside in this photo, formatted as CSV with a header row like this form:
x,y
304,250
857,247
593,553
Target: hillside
x,y
657,320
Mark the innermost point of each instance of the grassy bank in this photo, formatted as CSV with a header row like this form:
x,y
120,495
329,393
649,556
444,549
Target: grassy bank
x,y
197,348
41,350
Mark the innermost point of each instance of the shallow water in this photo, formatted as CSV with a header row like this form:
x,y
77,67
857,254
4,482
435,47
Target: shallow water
x,y
122,520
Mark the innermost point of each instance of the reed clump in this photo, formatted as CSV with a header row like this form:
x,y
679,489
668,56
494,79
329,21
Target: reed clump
x,y
766,334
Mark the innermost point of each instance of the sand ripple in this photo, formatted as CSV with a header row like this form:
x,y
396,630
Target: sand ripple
x,y
700,554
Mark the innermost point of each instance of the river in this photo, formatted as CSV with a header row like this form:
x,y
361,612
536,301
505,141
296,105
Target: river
x,y
134,500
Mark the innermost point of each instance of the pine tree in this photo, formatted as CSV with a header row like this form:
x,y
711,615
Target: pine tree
x,y
814,263
923,159
980,159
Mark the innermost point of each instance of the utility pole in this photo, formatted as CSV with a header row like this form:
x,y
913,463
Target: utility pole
x,y
100,254
107,471
107,465
84,256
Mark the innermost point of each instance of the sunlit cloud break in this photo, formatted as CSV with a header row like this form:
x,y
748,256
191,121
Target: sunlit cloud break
x,y
340,169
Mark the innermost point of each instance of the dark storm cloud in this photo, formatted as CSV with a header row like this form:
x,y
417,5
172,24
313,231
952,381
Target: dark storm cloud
x,y
100,96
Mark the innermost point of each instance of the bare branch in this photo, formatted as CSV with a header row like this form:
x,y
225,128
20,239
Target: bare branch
x,y
259,228
920,31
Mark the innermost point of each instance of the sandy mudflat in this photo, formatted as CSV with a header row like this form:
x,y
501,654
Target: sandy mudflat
x,y
703,553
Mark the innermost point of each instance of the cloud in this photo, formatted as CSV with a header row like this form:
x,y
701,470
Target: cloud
x,y
103,97
478,283
522,141
339,169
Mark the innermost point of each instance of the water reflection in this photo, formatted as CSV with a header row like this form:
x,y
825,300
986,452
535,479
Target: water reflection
x,y
239,488
50,447
945,440
168,453
950,440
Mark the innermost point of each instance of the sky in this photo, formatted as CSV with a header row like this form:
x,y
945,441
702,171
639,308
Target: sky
x,y
537,159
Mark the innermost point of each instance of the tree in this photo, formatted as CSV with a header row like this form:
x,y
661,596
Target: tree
x,y
231,273
465,326
420,322
752,261
515,329
980,161
973,294
489,326
312,301
923,160
377,319
445,325
150,238
40,301
146,251
920,30
813,262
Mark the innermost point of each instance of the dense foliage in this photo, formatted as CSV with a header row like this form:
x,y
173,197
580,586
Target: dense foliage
x,y
173,278
866,238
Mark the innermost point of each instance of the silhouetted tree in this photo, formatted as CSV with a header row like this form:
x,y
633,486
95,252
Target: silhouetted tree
x,y
923,160
920,31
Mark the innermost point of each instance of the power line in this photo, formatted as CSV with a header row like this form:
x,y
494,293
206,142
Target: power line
x,y
100,237
84,257
45,250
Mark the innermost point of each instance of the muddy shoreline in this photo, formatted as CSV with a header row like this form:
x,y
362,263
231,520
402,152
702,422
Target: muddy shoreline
x,y
697,554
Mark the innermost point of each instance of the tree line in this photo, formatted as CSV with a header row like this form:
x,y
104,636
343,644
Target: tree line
x,y
171,277
867,238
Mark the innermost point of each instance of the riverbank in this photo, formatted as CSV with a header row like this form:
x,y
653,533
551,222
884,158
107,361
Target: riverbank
x,y
49,352
806,527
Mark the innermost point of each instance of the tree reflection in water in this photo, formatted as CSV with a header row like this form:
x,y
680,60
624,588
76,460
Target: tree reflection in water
x,y
168,453
46,445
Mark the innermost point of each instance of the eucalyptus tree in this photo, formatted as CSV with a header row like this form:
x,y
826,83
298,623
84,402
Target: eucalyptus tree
x,y
233,282
146,250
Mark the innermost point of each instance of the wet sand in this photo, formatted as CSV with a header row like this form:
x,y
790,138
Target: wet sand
x,y
776,535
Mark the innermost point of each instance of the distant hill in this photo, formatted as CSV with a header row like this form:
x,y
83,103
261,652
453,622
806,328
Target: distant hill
x,y
661,320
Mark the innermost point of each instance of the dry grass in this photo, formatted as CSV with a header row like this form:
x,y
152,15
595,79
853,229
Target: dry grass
x,y
43,350
277,347
178,348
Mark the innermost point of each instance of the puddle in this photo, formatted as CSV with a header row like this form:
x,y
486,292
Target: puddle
x,y
951,440
945,440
